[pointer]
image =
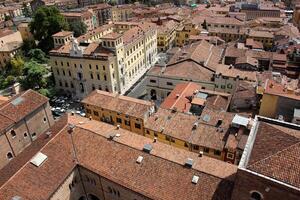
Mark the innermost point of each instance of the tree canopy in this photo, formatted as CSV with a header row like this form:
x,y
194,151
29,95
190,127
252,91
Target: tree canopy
x,y
78,27
17,66
34,76
37,55
47,21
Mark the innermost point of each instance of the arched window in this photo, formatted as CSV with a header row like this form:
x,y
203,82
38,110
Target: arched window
x,y
13,133
256,196
9,155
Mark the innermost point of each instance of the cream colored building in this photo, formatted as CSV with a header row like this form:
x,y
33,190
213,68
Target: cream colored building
x,y
85,16
121,12
10,44
112,62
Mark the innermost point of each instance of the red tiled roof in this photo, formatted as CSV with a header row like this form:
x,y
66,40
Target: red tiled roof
x,y
14,165
275,153
123,104
156,177
22,105
178,97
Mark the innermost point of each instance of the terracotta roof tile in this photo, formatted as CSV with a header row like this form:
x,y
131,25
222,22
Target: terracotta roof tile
x,y
123,104
22,105
275,152
156,178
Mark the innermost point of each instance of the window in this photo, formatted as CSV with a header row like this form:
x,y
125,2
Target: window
x,y
92,76
98,76
229,86
223,86
105,77
103,68
167,138
155,134
152,81
88,111
230,155
206,150
97,67
45,120
70,73
119,120
90,66
137,126
33,135
148,132
196,147
217,152
127,123
13,133
25,135
9,155
96,113
169,83
256,196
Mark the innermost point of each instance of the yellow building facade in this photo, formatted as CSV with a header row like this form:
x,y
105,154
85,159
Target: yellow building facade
x,y
166,35
125,53
129,113
268,105
184,32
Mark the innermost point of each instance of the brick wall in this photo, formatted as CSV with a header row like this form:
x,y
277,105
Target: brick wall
x,y
246,182
4,149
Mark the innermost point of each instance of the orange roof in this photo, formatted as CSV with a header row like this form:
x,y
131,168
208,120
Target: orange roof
x,y
178,97
274,88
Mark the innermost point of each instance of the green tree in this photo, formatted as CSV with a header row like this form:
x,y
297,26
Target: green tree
x,y
34,76
17,65
48,92
28,45
47,21
26,11
78,27
37,55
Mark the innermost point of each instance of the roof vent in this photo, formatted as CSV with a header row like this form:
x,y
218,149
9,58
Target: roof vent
x,y
147,148
38,159
139,159
195,125
16,198
49,134
200,153
189,163
195,179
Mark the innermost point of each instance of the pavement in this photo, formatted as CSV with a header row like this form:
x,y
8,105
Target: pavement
x,y
139,89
